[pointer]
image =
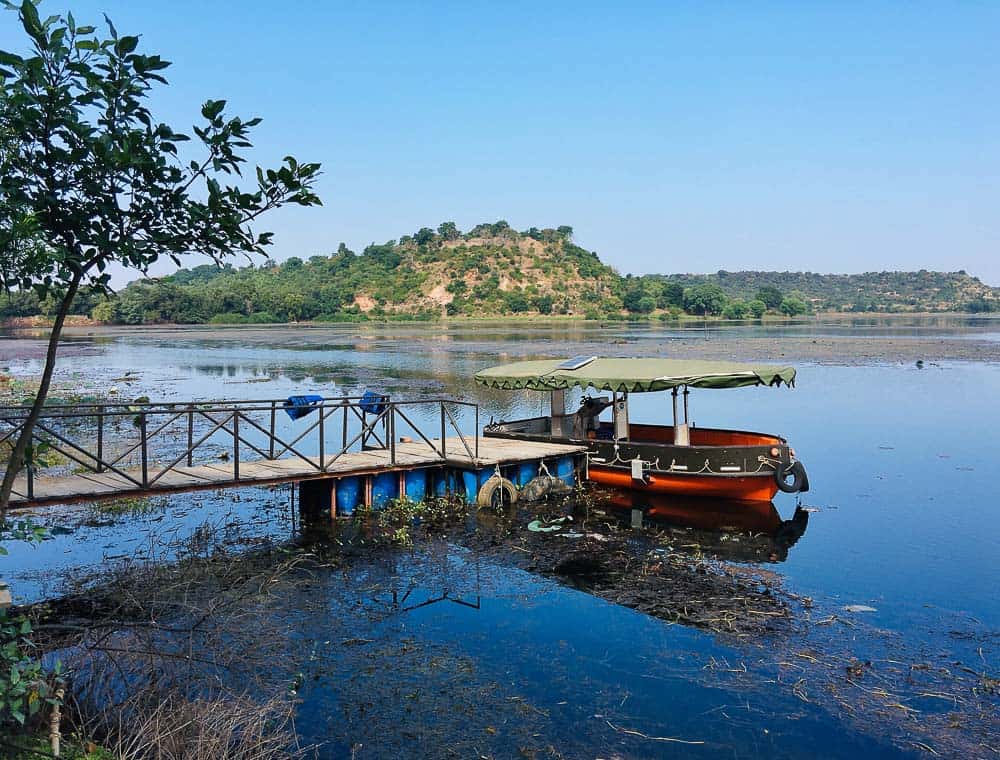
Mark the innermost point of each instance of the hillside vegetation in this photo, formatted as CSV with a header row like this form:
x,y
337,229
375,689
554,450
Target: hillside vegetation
x,y
494,270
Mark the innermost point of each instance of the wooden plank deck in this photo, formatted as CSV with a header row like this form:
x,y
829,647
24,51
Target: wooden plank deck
x,y
91,486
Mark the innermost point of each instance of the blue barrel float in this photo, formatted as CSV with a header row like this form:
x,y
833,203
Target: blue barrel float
x,y
526,472
416,485
565,470
348,495
385,488
473,480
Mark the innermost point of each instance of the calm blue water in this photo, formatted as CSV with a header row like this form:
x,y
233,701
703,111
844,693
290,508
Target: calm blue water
x,y
902,463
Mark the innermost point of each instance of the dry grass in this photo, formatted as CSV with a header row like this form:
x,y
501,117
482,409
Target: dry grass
x,y
171,661
178,728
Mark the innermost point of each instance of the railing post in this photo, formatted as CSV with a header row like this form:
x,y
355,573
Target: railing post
x,y
30,469
100,438
322,438
190,446
274,410
343,445
236,444
144,450
392,433
477,431
444,452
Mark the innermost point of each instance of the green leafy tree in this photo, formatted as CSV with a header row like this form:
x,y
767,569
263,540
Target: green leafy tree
x,y
516,301
449,231
757,308
103,312
982,306
91,178
736,310
792,306
292,305
424,236
385,255
672,294
707,298
544,304
646,305
770,295
634,294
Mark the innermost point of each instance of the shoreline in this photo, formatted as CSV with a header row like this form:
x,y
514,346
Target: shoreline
x,y
79,322
807,342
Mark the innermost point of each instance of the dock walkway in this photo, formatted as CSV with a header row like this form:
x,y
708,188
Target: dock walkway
x,y
93,486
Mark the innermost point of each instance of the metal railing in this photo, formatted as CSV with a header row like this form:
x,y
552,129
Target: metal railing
x,y
143,442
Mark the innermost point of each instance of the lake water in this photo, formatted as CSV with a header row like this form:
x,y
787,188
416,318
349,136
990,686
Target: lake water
x,y
904,519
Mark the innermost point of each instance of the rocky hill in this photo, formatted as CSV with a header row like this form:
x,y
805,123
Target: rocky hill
x,y
490,270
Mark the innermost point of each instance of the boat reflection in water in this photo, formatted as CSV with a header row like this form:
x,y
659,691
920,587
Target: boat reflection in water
x,y
734,530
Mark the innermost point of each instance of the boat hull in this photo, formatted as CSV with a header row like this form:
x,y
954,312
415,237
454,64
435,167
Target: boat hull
x,y
756,488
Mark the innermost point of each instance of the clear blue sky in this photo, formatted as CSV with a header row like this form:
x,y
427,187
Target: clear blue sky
x,y
832,137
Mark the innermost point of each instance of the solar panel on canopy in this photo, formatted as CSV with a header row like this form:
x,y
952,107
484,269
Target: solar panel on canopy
x,y
577,362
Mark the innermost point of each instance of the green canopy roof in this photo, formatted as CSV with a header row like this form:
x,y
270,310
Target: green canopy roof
x,y
632,375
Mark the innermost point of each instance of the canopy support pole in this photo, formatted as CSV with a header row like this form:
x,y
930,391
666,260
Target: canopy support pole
x,y
682,436
557,406
620,412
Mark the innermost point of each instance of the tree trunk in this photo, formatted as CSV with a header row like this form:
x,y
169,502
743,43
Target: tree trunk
x,y
16,461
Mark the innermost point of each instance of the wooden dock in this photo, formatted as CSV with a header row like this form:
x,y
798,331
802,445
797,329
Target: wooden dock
x,y
105,486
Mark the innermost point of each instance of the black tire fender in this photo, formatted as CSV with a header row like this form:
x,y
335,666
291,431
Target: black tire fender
x,y
497,487
795,471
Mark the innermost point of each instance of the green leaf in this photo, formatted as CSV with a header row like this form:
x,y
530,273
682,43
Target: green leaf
x,y
126,45
29,13
212,108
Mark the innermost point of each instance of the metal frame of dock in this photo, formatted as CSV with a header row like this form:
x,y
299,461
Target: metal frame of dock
x,y
117,450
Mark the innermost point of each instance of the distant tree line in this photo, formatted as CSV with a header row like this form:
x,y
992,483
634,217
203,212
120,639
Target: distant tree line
x,y
644,295
491,270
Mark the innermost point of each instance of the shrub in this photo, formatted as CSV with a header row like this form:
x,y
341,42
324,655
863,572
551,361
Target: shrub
x,y
262,318
25,687
103,312
544,304
228,318
341,316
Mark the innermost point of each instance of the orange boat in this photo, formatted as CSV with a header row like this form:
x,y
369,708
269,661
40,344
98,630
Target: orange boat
x,y
677,459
